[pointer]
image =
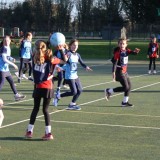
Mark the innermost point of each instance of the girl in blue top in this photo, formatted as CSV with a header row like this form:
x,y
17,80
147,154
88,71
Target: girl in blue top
x,y
71,76
26,57
5,61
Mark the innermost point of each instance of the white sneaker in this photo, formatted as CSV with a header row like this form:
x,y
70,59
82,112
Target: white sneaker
x,y
149,72
19,96
65,86
24,76
154,72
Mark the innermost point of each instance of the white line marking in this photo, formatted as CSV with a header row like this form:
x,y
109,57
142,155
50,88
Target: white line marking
x,y
109,125
118,114
113,81
28,119
83,104
119,94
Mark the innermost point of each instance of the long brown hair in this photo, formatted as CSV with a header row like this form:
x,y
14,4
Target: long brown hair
x,y
72,41
41,53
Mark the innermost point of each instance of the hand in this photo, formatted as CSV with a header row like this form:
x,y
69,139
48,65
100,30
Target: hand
x,y
60,47
157,56
15,67
147,56
50,77
137,50
88,69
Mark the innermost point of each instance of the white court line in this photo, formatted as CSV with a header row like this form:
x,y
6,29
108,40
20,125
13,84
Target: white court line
x,y
79,105
29,119
118,114
120,93
108,125
17,102
113,81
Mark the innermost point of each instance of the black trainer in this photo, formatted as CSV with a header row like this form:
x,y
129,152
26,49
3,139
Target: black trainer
x,y
107,94
127,104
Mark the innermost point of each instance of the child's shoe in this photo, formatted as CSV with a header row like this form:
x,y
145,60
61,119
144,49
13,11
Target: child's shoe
x,y
107,94
154,72
127,104
28,134
48,136
19,97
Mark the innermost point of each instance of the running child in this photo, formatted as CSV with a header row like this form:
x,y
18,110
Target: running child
x,y
153,54
43,89
119,71
5,61
71,76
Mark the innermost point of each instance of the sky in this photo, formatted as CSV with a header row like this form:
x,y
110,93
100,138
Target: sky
x,y
10,1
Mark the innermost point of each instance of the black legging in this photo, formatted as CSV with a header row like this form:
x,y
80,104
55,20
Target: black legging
x,y
37,101
126,85
152,60
25,67
10,81
60,78
75,89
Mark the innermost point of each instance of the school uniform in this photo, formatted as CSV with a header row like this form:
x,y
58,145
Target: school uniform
x,y
120,69
71,75
153,50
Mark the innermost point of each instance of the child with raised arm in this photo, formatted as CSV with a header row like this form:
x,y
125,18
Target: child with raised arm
x,y
43,89
119,72
71,76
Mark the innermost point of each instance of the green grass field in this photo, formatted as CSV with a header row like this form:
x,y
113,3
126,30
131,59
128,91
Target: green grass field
x,y
100,131
100,49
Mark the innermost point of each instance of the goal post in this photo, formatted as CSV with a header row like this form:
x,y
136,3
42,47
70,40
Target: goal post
x,y
1,32
16,31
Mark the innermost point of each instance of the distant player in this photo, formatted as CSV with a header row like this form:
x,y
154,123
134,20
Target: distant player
x,y
5,61
153,54
25,54
119,72
71,76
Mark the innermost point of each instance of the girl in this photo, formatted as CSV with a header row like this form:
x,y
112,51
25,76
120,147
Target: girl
x,y
71,76
119,71
5,61
152,54
42,62
25,57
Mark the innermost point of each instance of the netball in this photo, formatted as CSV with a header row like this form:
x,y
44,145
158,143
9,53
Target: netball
x,y
57,39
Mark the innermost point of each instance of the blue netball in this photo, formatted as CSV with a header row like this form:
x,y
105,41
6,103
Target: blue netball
x,y
57,38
